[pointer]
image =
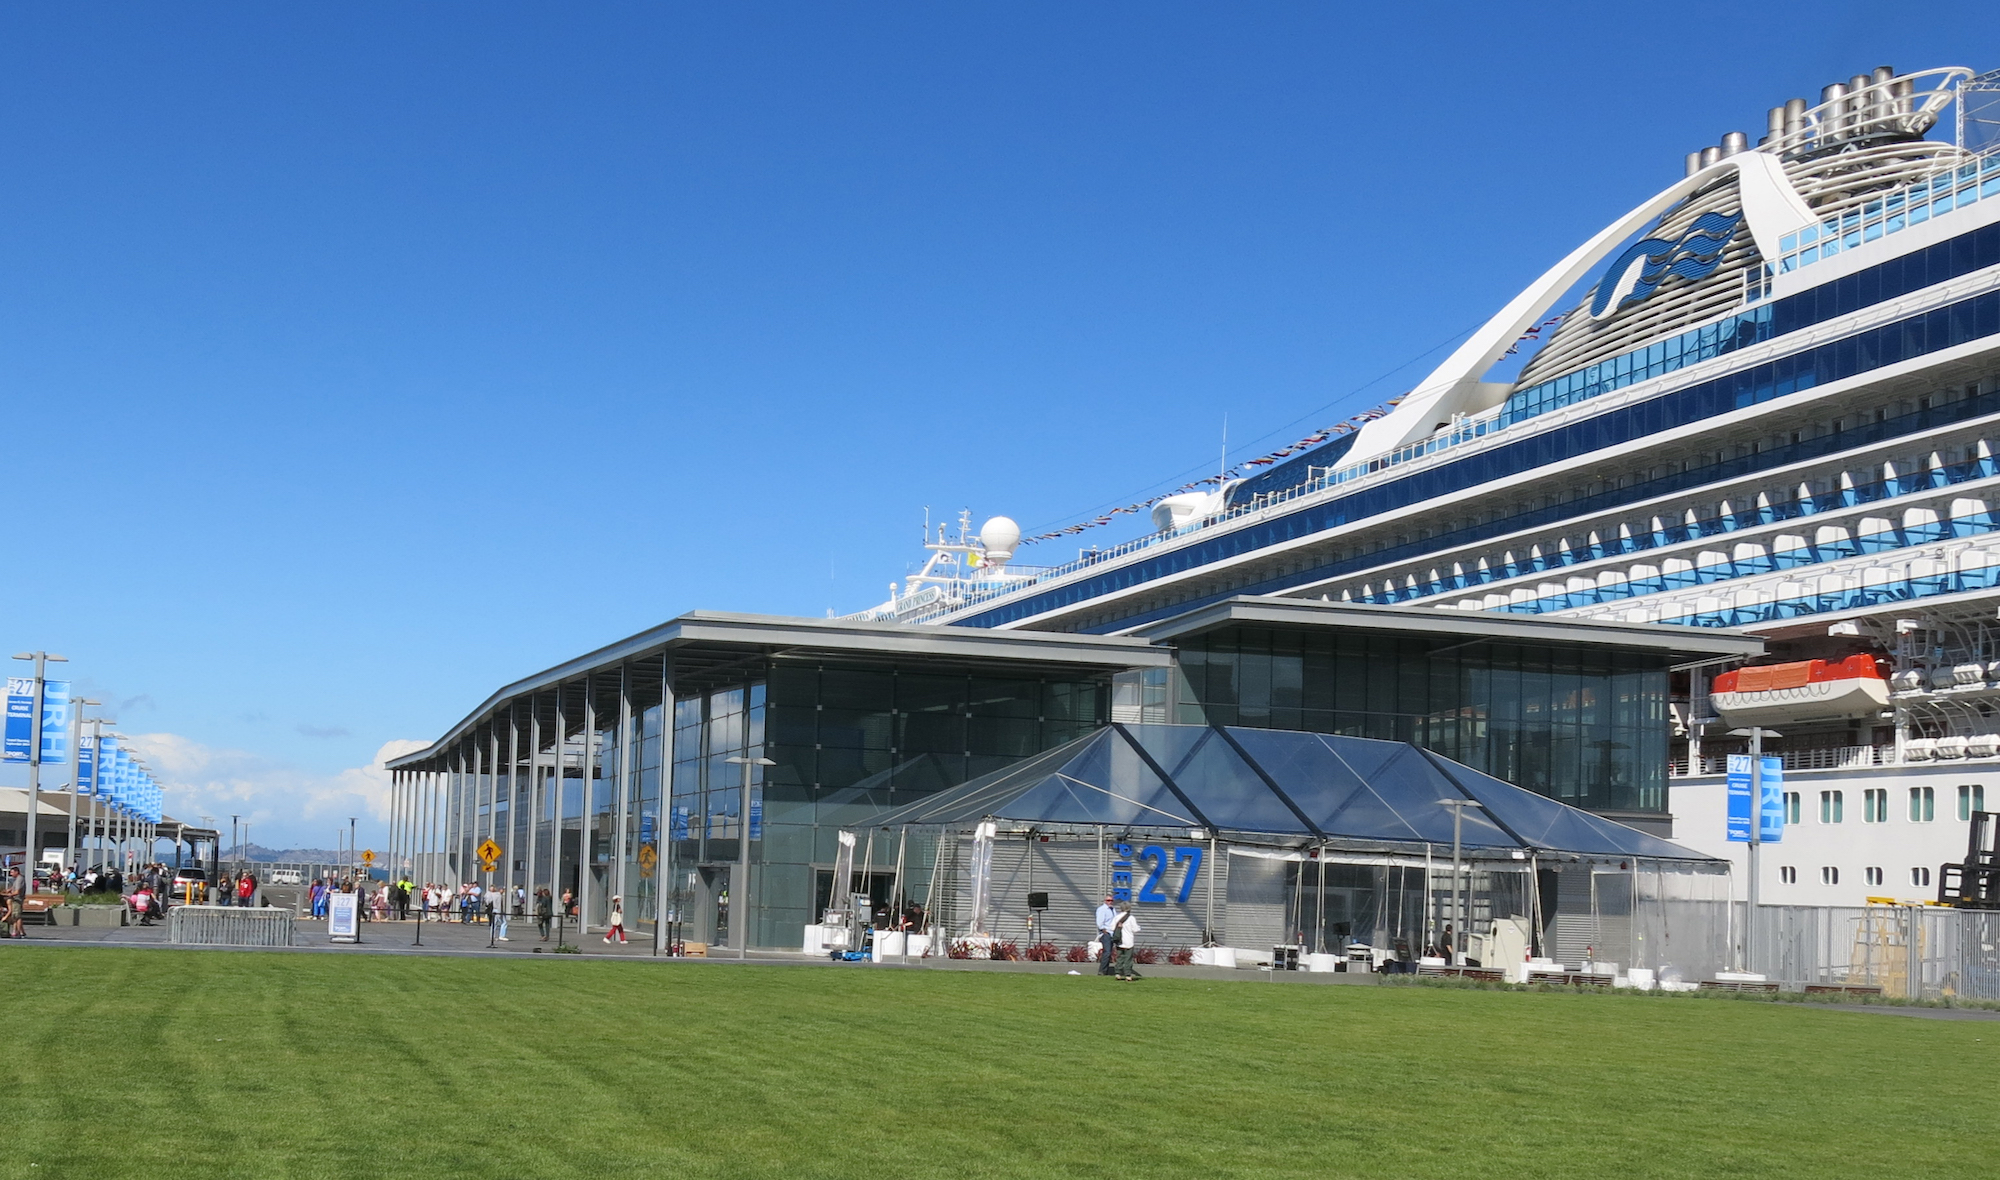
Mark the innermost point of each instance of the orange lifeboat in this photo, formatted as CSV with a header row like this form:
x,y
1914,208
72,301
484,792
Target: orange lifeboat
x,y
1808,690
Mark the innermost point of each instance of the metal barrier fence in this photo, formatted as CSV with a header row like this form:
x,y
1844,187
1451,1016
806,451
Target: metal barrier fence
x,y
1909,951
214,925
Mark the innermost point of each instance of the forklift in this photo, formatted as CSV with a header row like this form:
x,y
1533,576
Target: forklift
x,y
1975,883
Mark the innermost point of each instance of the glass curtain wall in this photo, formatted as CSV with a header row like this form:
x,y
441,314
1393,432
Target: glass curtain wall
x,y
1586,727
849,742
600,829
640,858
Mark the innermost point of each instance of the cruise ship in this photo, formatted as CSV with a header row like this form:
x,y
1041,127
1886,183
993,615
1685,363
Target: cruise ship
x,y
1767,398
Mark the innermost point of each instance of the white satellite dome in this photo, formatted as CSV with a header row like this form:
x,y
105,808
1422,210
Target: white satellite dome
x,y
999,536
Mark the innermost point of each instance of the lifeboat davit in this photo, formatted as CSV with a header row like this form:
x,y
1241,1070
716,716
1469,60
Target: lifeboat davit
x,y
1809,690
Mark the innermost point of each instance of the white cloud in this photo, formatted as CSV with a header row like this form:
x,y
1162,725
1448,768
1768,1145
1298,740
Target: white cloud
x,y
286,805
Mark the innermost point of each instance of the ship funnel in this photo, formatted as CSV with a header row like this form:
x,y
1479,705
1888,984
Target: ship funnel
x,y
1734,142
1693,163
1774,122
1861,107
1831,91
1795,115
1710,155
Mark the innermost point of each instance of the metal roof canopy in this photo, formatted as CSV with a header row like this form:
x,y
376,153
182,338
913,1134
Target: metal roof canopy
x,y
1308,788
1670,641
705,645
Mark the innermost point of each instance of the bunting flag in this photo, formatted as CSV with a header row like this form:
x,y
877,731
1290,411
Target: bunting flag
x,y
1310,441
1534,333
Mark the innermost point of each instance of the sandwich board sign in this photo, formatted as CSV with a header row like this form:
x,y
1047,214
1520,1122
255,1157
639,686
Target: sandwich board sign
x,y
343,917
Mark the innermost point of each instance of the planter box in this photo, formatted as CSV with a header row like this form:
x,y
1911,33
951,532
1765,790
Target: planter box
x,y
100,917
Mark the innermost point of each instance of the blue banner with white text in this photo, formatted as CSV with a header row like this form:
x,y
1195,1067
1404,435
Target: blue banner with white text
x,y
20,718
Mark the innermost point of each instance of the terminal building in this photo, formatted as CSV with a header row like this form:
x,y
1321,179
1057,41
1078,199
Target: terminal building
x,y
622,773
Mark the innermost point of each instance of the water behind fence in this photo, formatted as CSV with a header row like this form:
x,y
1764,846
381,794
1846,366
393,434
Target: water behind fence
x,y
214,925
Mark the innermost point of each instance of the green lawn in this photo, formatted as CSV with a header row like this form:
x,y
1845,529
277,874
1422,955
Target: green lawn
x,y
170,1064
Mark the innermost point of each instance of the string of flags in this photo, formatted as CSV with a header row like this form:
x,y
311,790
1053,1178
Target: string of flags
x,y
1534,333
1310,441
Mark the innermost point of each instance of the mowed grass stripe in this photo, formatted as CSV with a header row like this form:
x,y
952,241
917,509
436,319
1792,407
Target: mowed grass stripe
x,y
167,1063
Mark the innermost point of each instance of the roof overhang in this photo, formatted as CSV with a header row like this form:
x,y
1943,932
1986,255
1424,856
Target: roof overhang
x,y
1669,641
780,635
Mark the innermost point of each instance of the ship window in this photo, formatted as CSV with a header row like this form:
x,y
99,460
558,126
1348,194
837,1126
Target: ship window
x,y
1829,875
1791,807
1875,806
1923,804
1789,875
1971,798
1830,807
1872,874
1920,877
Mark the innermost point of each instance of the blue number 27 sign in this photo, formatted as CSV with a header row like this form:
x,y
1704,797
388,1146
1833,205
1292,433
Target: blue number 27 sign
x,y
1155,858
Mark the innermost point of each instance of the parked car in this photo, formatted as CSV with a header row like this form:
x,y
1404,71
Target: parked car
x,y
190,885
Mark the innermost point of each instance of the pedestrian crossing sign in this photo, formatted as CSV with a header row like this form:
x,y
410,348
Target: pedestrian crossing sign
x,y
488,853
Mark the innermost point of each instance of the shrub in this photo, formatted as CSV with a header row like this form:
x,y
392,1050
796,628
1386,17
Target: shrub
x,y
1180,956
1040,952
1009,950
1146,954
1081,954
960,949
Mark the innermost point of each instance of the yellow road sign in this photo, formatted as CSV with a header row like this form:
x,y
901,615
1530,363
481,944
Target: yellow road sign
x,y
649,859
368,856
488,853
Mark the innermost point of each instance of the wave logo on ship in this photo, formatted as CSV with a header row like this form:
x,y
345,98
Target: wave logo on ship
x,y
1636,273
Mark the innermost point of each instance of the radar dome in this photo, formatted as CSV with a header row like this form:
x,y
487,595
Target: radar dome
x,y
999,536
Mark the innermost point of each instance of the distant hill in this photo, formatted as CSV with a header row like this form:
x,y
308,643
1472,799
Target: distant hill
x,y
258,854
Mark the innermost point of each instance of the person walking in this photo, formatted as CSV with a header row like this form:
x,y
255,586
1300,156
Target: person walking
x,y
1107,944
617,926
11,905
1126,927
544,911
498,916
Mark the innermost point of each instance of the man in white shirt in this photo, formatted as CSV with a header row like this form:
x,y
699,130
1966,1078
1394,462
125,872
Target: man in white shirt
x,y
1126,927
1107,914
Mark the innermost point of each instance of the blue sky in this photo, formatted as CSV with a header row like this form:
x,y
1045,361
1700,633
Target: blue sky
x,y
358,359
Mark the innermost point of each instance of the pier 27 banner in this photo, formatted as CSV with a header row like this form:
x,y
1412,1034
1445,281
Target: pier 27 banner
x,y
21,719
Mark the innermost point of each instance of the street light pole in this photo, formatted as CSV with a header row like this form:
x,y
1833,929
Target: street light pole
x,y
742,905
76,774
1756,734
29,852
1458,807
